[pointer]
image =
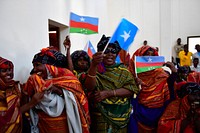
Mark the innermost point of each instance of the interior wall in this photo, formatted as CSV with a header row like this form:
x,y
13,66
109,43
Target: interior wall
x,y
24,30
24,25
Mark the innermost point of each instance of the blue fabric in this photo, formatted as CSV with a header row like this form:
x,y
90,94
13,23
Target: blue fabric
x,y
132,125
147,116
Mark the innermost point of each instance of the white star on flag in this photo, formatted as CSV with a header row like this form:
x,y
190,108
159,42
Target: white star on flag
x,y
82,19
126,35
149,60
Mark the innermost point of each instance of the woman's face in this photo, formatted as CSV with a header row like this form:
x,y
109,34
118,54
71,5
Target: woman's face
x,y
6,75
40,69
110,56
82,63
149,52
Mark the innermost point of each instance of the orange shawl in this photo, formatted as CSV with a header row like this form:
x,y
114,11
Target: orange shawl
x,y
154,91
176,111
62,78
10,115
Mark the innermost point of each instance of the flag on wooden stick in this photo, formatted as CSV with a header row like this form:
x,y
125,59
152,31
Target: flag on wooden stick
x,y
89,49
148,63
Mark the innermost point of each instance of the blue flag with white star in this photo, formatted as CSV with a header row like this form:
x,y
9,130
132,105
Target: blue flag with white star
x,y
124,34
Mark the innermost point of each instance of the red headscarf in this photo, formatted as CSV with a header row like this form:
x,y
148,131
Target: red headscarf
x,y
140,52
4,63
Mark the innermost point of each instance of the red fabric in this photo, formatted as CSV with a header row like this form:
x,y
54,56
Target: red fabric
x,y
62,78
10,118
139,52
8,64
194,77
173,115
83,25
5,64
189,129
154,90
124,57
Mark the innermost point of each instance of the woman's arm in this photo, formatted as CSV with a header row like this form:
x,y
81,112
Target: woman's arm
x,y
101,95
67,45
171,79
37,97
90,81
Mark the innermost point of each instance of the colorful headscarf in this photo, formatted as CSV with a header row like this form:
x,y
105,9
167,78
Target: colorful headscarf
x,y
5,64
141,51
51,56
76,55
104,40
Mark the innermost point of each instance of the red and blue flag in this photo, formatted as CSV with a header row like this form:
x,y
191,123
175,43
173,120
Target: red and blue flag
x,y
83,24
89,49
148,63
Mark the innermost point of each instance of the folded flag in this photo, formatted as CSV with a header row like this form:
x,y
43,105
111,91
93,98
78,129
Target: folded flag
x,y
89,49
148,63
124,34
83,24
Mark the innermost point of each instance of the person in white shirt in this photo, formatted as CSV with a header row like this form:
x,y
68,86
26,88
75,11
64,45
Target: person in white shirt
x,y
197,54
195,66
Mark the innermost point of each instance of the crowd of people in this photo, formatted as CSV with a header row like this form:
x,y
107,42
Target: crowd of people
x,y
74,93
186,58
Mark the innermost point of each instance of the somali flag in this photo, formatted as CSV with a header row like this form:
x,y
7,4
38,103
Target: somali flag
x,y
148,63
124,34
83,24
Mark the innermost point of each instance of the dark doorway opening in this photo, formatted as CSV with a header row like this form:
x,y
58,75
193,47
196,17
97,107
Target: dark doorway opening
x,y
54,36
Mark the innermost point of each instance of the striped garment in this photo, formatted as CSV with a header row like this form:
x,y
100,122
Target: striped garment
x,y
62,78
10,116
113,113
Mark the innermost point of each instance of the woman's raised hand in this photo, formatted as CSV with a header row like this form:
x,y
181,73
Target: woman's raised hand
x,y
67,43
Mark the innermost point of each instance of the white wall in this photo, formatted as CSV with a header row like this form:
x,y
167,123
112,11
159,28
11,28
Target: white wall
x,y
24,25
24,30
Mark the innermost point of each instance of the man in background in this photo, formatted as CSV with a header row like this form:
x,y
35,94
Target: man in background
x,y
185,56
178,47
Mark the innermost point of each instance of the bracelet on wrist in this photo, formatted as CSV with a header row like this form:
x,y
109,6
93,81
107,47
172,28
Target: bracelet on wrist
x,y
91,76
114,93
